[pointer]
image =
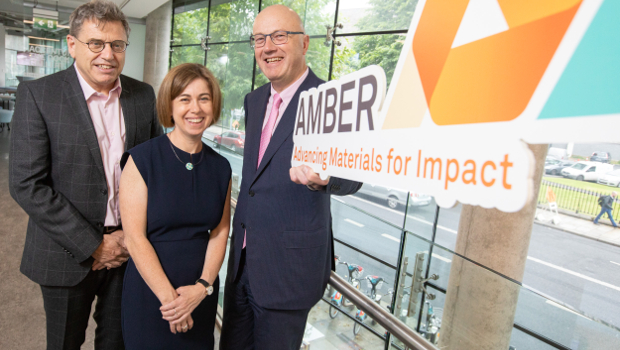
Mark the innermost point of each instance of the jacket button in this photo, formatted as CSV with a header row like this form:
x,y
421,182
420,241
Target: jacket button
x,y
100,224
104,192
242,225
251,193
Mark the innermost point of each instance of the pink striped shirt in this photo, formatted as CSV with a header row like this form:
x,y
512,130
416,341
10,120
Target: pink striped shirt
x,y
286,95
107,116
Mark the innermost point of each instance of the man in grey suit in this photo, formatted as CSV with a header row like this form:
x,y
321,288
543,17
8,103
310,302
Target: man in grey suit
x,y
70,130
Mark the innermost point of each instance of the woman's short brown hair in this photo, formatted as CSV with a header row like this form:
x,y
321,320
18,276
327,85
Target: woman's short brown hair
x,y
176,81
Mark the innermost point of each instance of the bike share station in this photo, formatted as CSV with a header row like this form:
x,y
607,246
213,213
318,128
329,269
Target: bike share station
x,y
464,123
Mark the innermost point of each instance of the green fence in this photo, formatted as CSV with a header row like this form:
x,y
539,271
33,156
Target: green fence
x,y
574,199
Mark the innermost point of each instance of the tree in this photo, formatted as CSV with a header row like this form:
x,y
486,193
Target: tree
x,y
380,49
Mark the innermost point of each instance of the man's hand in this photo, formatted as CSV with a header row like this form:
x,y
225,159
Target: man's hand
x,y
121,237
304,175
97,265
111,252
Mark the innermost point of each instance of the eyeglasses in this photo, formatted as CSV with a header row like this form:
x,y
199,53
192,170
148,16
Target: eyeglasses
x,y
280,37
97,46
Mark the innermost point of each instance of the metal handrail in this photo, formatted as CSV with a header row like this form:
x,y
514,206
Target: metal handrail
x,y
396,327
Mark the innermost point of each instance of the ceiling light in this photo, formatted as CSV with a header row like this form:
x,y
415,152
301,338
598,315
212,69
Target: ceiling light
x,y
34,37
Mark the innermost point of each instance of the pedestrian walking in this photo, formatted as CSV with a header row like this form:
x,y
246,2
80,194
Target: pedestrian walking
x,y
606,203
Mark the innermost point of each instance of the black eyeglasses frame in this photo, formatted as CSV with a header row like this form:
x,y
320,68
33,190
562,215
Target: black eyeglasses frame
x,y
253,41
103,47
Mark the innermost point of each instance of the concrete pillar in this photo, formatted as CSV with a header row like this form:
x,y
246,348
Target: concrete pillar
x,y
480,305
2,58
157,48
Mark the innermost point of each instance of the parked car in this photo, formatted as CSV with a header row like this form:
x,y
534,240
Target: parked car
x,y
588,171
234,140
393,197
551,160
603,157
556,167
559,153
611,178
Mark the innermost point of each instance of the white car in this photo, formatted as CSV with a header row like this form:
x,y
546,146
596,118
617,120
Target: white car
x,y
611,178
587,171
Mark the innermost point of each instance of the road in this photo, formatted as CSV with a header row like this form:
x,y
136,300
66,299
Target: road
x,y
581,273
576,271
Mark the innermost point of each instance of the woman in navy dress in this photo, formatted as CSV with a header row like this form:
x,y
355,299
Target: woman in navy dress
x,y
175,207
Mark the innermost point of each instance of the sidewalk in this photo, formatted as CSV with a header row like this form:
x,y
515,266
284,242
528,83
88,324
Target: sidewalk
x,y
583,226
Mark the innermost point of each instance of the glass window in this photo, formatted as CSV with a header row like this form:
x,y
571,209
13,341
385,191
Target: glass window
x,y
375,15
361,51
190,27
315,14
185,54
239,62
242,14
219,22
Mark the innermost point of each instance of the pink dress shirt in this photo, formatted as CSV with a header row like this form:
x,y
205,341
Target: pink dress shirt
x,y
286,95
107,116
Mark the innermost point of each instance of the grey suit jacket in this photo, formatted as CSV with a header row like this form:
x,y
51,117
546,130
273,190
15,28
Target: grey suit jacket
x,y
56,171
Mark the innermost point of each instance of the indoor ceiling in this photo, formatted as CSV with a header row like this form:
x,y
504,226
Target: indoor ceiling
x,y
131,8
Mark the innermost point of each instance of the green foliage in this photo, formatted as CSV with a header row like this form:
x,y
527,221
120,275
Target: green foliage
x,y
190,27
383,50
232,62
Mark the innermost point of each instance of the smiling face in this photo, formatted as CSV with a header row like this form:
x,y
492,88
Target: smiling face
x,y
281,64
101,69
192,110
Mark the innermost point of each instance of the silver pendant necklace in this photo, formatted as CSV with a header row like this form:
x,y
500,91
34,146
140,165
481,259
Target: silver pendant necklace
x,y
190,165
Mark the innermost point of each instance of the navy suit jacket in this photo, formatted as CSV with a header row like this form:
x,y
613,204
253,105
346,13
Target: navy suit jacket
x,y
289,251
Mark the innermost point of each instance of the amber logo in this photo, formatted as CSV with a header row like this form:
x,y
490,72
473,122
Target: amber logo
x,y
481,60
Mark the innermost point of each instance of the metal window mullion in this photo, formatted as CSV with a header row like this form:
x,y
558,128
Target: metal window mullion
x,y
379,32
207,33
331,57
428,267
260,5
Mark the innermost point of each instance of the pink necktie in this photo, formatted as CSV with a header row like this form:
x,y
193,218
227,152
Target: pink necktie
x,y
265,136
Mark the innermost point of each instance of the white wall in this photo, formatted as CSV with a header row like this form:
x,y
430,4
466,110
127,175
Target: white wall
x,y
134,58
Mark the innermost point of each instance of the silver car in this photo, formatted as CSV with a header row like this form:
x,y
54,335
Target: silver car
x,y
611,178
393,197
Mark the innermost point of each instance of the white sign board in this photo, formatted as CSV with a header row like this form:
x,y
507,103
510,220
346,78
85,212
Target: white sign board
x,y
474,82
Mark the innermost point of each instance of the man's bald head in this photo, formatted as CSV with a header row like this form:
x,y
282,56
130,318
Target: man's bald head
x,y
285,63
283,13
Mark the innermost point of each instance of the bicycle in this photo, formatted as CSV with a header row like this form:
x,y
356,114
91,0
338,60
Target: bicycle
x,y
374,284
355,271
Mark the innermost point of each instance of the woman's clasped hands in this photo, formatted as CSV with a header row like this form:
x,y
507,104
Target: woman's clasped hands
x,y
179,311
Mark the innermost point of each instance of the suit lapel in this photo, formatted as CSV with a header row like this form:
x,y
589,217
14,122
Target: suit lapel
x,y
79,107
129,114
285,127
256,118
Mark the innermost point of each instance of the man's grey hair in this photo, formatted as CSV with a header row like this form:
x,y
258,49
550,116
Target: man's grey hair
x,y
99,11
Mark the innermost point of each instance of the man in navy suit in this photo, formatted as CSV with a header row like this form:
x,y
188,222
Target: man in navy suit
x,y
282,250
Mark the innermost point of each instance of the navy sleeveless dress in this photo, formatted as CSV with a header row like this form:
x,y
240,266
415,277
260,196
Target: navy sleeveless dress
x,y
183,207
